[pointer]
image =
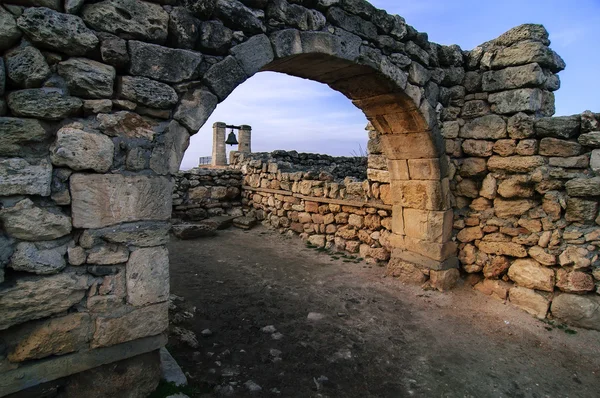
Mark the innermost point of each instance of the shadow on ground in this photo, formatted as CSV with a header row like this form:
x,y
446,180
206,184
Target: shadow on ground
x,y
251,293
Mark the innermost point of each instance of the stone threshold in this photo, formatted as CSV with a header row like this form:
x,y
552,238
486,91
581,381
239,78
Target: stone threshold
x,y
320,199
39,372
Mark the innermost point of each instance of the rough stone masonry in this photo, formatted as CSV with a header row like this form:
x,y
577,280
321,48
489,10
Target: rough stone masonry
x,y
97,102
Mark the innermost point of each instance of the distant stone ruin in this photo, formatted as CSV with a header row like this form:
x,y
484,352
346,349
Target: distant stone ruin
x,y
97,103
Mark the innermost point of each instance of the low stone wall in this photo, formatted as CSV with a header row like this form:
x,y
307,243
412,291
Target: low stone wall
x,y
348,215
526,207
200,193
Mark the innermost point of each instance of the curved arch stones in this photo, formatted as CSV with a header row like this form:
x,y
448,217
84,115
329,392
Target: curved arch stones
x,y
91,133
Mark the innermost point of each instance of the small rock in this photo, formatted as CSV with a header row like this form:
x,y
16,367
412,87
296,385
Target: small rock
x,y
277,336
206,333
268,329
314,316
252,386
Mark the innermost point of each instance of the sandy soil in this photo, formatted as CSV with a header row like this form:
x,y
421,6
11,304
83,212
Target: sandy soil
x,y
376,338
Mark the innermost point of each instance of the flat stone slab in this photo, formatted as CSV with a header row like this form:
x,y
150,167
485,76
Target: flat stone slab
x,y
170,370
195,230
244,222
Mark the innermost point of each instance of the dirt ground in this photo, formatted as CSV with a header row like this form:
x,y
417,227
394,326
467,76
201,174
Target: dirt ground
x,y
375,337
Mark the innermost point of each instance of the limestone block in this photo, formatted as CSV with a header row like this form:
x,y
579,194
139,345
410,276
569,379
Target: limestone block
x,y
398,220
503,249
88,79
40,296
399,169
405,271
530,75
582,187
582,311
489,127
43,104
515,164
42,258
148,276
564,127
505,147
80,150
223,77
237,14
590,139
20,137
27,221
479,148
530,274
108,254
516,207
51,29
444,280
408,146
496,267
146,92
472,167
352,23
142,21
527,147
378,175
20,177
520,126
126,124
431,250
168,151
530,301
416,194
518,186
113,50
140,322
92,107
195,108
253,54
432,226
317,240
574,256
519,100
555,147
286,43
470,234
215,38
574,162
495,288
56,336
489,187
26,67
581,209
164,64
574,281
528,52
101,200
424,169
76,255
541,256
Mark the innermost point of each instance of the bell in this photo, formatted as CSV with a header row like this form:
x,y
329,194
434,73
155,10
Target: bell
x,y
231,140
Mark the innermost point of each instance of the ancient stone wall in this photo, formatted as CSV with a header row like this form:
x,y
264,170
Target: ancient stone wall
x,y
97,101
200,193
299,195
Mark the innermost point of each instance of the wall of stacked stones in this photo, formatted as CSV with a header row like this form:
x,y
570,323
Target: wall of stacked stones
x,y
525,191
299,193
201,193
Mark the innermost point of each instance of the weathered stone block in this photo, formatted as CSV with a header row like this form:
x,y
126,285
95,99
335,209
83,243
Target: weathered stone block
x,y
20,177
528,52
559,127
146,92
405,271
424,195
43,104
40,296
57,31
470,234
490,127
431,250
472,167
556,147
530,274
529,301
507,208
518,186
237,14
19,137
582,311
515,164
352,23
433,226
503,249
102,200
29,222
581,210
519,100
26,67
224,77
590,139
128,19
9,32
80,150
582,187
424,169
56,336
195,108
286,43
162,63
141,322
42,258
253,54
530,75
148,276
444,280
168,151
88,79
574,281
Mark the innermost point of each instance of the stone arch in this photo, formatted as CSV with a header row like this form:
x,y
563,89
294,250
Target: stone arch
x,y
410,134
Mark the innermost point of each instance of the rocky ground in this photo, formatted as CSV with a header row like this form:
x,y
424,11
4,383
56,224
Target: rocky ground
x,y
256,313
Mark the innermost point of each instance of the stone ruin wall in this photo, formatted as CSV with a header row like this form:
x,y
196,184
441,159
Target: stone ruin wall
x,y
309,195
200,193
97,102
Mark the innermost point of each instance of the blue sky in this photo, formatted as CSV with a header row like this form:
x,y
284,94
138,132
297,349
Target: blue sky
x,y
291,113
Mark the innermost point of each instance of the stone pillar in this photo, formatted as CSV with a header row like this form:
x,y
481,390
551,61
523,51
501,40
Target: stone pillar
x,y
245,139
219,155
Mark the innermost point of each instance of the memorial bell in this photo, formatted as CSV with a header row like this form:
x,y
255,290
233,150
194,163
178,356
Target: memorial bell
x,y
231,139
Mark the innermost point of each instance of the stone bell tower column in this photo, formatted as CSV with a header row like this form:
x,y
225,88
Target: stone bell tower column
x,y
219,156
245,139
